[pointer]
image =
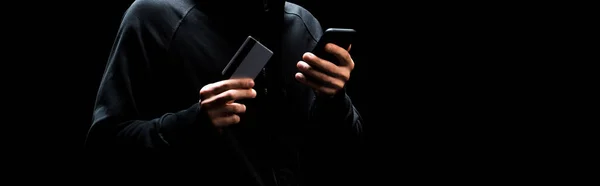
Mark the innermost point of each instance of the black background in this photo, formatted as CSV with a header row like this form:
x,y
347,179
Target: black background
x,y
444,87
414,79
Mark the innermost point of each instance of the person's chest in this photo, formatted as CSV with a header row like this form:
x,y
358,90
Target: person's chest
x,y
202,50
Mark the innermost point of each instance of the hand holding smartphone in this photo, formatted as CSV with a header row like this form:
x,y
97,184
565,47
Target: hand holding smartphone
x,y
328,78
343,37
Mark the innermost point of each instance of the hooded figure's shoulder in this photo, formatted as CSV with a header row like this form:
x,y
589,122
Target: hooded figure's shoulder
x,y
299,18
157,19
158,10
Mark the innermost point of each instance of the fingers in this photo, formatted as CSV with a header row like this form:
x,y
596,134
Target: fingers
x,y
229,96
326,66
226,121
217,99
227,114
315,86
319,76
229,109
341,54
222,86
321,64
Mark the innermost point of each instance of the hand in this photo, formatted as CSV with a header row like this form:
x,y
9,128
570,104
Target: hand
x,y
218,100
325,77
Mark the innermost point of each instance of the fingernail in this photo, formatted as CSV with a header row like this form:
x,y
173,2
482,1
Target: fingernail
x,y
310,55
299,76
304,66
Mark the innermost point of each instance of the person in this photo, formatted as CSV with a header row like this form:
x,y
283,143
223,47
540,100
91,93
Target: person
x,y
162,90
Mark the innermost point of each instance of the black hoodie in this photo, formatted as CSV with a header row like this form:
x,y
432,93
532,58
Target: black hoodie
x,y
167,50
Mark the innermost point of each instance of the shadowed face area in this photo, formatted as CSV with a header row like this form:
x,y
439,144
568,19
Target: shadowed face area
x,y
236,8
256,17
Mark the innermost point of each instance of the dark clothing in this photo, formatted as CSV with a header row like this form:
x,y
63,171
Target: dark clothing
x,y
167,50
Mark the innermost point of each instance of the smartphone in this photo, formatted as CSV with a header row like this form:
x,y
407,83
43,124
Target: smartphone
x,y
248,61
342,37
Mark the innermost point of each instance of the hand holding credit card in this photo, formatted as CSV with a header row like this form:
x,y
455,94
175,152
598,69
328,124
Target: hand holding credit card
x,y
220,99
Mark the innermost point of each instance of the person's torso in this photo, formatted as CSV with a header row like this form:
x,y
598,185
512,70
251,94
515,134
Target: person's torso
x,y
270,131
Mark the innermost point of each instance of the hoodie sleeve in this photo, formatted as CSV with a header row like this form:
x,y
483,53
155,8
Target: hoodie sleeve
x,y
337,118
336,140
125,115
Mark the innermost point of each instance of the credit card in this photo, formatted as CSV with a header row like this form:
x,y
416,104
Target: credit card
x,y
248,61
